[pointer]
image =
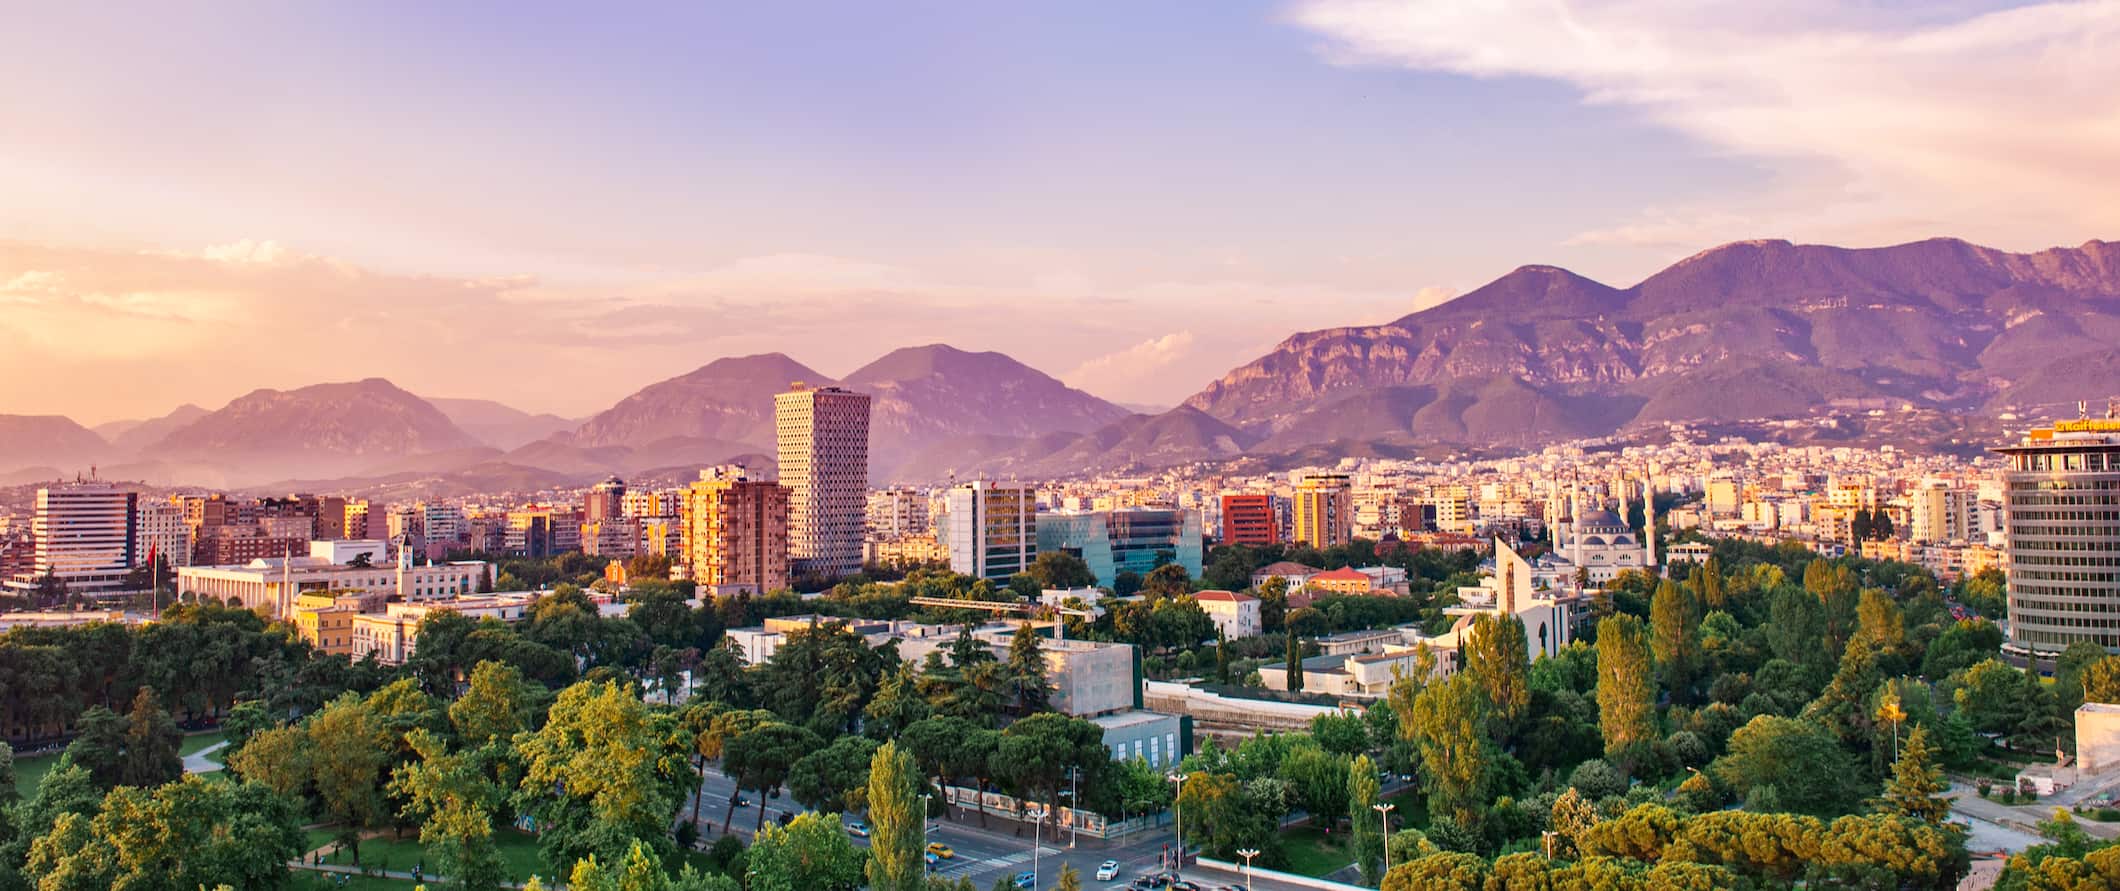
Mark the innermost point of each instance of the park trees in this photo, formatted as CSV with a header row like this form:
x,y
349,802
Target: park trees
x,y
1362,789
761,758
1027,681
1626,687
1447,725
897,821
178,836
834,778
1674,617
1916,787
1499,661
811,853
455,798
600,774
1801,761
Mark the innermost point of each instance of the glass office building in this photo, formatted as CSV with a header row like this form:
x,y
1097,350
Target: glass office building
x,y
1135,539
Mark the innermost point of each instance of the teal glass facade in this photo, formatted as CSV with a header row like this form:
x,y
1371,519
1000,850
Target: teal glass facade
x,y
1128,540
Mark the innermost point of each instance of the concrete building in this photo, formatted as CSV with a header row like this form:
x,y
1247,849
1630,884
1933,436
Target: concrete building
x,y
1324,510
897,512
1159,739
604,501
2062,491
1939,512
392,636
1344,580
736,532
1295,574
162,533
990,529
1133,539
270,585
1089,678
904,551
823,441
1235,615
86,535
1248,520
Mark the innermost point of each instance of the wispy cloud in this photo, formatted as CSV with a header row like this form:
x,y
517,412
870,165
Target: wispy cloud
x,y
1877,125
1119,375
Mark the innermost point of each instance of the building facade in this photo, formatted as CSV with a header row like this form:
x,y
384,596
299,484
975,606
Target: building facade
x,y
991,529
1133,539
85,535
2062,534
737,531
822,435
1249,520
1324,510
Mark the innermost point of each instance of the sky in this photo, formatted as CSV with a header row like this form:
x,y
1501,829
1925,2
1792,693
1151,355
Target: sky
x,y
554,204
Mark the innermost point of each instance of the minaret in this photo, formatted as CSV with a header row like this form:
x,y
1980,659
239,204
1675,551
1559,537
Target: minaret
x,y
404,568
1648,525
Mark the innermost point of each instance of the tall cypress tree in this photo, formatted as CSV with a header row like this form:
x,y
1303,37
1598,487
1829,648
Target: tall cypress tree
x,y
1916,785
1626,685
1295,662
897,823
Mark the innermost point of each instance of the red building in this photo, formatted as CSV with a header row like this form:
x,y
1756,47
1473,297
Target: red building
x,y
1249,520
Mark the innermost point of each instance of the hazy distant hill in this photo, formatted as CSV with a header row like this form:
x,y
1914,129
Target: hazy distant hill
x,y
727,399
49,441
316,431
500,426
1746,330
132,436
935,393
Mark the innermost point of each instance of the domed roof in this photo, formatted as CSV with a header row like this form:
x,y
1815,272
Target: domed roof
x,y
1599,518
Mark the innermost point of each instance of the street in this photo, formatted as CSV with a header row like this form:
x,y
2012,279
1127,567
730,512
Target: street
x,y
994,852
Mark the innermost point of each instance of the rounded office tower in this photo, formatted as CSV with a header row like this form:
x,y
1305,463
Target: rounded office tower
x,y
2062,494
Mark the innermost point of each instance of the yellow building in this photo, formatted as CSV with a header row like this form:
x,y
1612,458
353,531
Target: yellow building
x,y
326,620
1324,510
736,533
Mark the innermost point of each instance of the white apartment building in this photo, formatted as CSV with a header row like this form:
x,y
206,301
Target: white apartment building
x,y
162,532
85,535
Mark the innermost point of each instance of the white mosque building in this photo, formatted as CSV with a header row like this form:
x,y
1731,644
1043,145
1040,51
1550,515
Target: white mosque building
x,y
1601,542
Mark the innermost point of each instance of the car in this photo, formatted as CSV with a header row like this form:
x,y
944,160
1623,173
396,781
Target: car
x,y
1108,870
1026,880
1186,885
1151,882
941,850
740,801
930,857
858,829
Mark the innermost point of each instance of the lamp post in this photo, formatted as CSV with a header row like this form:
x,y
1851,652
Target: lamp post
x,y
1037,823
923,817
1074,806
1545,837
1247,854
1178,820
1384,815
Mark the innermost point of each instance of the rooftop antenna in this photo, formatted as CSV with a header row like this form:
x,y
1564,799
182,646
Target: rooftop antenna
x,y
2083,409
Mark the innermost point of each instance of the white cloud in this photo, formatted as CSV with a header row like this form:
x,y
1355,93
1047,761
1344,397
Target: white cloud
x,y
1120,375
246,251
1999,126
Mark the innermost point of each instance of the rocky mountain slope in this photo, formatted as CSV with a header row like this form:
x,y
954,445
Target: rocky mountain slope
x,y
1747,330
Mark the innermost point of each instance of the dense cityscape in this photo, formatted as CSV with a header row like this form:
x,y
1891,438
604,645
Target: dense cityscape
x,y
1520,667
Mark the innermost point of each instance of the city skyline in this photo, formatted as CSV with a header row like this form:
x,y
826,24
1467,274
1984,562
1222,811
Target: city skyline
x,y
1161,195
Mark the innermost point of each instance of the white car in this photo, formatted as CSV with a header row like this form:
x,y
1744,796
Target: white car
x,y
1108,870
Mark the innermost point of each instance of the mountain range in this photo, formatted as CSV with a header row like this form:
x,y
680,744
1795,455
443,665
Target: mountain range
x,y
1744,332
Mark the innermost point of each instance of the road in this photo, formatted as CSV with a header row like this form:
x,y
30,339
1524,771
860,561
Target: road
x,y
1001,848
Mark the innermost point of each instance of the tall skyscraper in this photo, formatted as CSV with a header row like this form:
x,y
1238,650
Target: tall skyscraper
x,y
991,529
823,435
736,532
86,535
2062,494
1324,510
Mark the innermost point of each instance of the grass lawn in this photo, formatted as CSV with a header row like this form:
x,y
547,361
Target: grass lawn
x,y
30,771
193,743
304,880
517,850
1310,854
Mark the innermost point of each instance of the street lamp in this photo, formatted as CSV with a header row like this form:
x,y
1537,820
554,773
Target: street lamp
x,y
1178,819
1384,814
1247,854
1036,824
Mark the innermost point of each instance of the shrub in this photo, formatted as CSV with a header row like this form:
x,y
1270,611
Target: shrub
x,y
1597,779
